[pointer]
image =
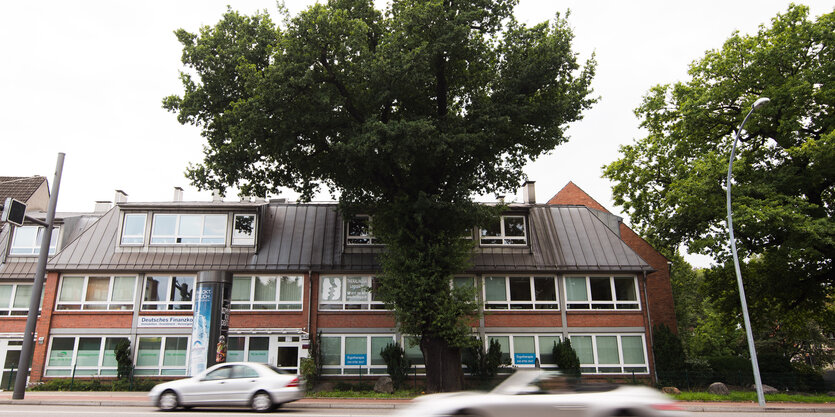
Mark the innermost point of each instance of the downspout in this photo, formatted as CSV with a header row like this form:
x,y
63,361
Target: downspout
x,y
649,329
309,302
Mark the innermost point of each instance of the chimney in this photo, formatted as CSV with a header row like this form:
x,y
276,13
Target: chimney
x,y
216,197
102,206
120,197
178,194
528,192
500,199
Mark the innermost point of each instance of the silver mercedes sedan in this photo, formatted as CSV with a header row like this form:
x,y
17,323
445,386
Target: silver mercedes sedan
x,y
537,393
260,386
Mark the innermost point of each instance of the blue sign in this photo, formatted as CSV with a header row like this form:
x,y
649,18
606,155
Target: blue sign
x,y
524,358
355,359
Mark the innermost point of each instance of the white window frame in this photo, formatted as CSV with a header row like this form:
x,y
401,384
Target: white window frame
x,y
512,352
343,304
9,310
354,370
277,303
168,303
372,241
123,305
140,236
176,237
533,302
98,370
36,249
143,370
597,365
503,234
242,239
614,302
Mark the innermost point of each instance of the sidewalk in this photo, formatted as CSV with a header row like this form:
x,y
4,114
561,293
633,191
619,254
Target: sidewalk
x,y
141,399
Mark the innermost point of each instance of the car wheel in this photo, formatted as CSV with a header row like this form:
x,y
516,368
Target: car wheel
x,y
467,413
168,401
261,402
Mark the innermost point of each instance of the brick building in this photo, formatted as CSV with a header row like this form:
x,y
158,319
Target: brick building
x,y
544,272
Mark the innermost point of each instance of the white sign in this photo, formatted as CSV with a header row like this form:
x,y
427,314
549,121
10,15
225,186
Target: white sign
x,y
165,321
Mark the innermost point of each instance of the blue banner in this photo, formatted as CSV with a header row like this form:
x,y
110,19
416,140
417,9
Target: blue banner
x,y
524,359
355,359
200,329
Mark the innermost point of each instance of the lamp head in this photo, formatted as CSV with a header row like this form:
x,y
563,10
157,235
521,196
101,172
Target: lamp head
x,y
759,103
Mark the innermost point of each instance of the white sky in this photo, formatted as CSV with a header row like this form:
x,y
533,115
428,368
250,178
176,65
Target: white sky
x,y
87,78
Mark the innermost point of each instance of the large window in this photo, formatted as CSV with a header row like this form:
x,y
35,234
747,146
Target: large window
x,y
267,293
354,354
133,229
96,293
359,231
27,240
601,293
520,293
189,229
509,230
88,356
161,355
348,293
164,292
527,350
14,299
610,353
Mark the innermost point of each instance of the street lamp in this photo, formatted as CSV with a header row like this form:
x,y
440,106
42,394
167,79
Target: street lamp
x,y
760,397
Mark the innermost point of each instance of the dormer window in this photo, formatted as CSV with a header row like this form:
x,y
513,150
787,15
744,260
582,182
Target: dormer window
x,y
359,231
27,240
243,233
133,229
509,230
189,229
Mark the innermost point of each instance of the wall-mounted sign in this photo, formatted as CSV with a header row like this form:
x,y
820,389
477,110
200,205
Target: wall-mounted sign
x,y
524,358
355,359
165,321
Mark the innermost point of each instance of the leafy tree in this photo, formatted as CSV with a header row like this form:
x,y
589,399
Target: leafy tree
x,y
405,114
672,182
397,365
668,352
565,357
124,364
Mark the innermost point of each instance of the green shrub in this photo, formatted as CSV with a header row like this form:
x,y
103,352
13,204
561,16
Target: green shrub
x,y
566,358
397,365
482,364
124,364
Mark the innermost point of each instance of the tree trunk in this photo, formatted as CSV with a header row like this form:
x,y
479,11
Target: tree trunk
x,y
443,365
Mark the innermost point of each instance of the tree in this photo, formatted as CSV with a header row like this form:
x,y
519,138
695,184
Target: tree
x,y
397,365
405,114
668,352
124,364
672,182
565,357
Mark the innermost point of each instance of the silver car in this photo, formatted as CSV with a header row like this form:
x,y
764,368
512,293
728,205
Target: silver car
x,y
537,393
260,386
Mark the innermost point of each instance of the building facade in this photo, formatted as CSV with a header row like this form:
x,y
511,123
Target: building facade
x,y
544,273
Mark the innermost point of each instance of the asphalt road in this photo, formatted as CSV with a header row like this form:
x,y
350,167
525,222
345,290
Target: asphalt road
x,y
24,410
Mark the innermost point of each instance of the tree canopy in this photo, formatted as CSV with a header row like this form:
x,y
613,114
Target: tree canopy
x,y
405,113
673,181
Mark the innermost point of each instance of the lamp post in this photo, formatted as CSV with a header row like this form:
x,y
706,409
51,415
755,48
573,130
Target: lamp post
x,y
760,397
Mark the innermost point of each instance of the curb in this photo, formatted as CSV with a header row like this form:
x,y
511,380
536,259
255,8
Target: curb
x,y
110,403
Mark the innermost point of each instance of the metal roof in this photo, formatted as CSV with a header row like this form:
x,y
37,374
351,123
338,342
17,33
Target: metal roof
x,y
302,237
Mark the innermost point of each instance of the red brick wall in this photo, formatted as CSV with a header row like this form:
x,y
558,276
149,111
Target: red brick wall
x,y
50,287
516,319
598,319
571,194
659,287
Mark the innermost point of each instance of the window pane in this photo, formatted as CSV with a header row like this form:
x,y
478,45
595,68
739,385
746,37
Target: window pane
x,y
148,351
22,297
358,226
110,351
607,350
331,350
88,351
244,230
190,225
215,225
53,241
601,289
355,345
356,288
97,289
240,288
377,345
575,289
182,289
164,225
545,288
235,349
291,289
463,282
520,289
175,351
494,289
492,229
134,228
331,289
123,288
523,344
514,226
259,349
625,289
25,240
71,289
61,353
582,345
155,288
5,296
265,288
546,349
413,352
504,343
633,349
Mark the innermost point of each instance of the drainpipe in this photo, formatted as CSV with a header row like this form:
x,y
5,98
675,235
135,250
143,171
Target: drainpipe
x,y
649,329
309,303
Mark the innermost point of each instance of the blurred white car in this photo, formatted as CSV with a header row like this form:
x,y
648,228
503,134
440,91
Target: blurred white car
x,y
260,386
537,393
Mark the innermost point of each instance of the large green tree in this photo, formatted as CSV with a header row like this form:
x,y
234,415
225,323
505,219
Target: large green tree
x,y
673,181
404,113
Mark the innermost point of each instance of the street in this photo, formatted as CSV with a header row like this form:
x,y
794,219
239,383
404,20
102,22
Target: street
x,y
53,410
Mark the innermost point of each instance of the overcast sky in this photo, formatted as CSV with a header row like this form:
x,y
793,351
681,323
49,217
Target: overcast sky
x,y
87,77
